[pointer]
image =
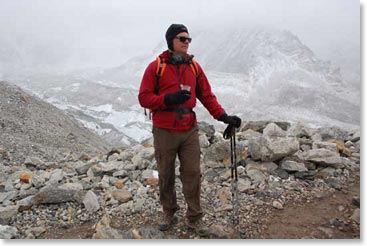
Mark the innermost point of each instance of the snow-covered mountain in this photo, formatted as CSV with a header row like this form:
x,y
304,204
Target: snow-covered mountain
x,y
256,73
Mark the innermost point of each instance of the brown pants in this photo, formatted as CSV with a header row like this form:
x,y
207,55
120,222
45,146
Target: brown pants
x,y
167,145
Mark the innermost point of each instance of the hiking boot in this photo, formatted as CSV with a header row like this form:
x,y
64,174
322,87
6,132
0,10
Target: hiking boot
x,y
167,222
198,226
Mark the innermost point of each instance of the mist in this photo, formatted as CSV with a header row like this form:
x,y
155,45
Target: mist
x,y
75,34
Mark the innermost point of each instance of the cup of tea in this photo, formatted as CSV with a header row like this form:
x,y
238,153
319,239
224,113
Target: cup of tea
x,y
185,87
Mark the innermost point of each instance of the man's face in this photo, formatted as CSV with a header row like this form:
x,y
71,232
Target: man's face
x,y
181,43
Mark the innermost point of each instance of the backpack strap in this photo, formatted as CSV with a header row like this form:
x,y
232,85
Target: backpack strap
x,y
195,70
161,66
194,67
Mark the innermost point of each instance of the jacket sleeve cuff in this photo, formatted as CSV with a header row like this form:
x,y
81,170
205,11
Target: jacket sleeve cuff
x,y
222,117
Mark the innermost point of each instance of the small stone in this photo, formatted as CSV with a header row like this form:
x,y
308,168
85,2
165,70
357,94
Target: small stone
x,y
119,184
121,195
91,201
25,177
356,215
277,205
356,201
151,181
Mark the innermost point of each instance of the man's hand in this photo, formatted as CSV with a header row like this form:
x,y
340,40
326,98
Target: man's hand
x,y
228,132
231,120
177,97
233,123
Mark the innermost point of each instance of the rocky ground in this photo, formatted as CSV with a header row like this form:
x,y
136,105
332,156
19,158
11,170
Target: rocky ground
x,y
294,182
30,127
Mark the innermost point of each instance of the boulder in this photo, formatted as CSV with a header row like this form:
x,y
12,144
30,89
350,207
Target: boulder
x,y
322,157
299,130
273,130
266,149
216,154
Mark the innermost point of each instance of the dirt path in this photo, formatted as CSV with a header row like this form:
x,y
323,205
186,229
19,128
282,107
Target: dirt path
x,y
325,217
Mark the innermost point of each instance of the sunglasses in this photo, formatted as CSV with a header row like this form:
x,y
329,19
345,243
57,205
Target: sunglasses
x,y
183,39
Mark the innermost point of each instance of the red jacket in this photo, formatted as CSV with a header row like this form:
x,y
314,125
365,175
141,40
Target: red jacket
x,y
170,82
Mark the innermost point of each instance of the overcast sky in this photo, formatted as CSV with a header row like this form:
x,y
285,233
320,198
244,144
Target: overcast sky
x,y
107,32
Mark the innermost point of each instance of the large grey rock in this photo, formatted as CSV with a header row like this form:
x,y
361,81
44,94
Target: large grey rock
x,y
91,202
281,147
266,149
7,213
325,145
273,130
56,176
8,232
299,130
260,125
248,134
323,157
258,149
216,154
53,194
293,166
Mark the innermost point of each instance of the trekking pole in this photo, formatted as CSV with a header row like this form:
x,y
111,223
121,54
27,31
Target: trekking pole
x,y
234,176
230,133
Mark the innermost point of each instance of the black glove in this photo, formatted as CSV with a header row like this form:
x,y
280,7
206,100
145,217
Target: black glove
x,y
177,97
231,120
228,132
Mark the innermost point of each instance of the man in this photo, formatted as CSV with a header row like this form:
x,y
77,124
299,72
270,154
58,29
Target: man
x,y
175,128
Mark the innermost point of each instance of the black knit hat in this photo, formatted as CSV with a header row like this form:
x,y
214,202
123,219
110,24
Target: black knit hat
x,y
171,33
